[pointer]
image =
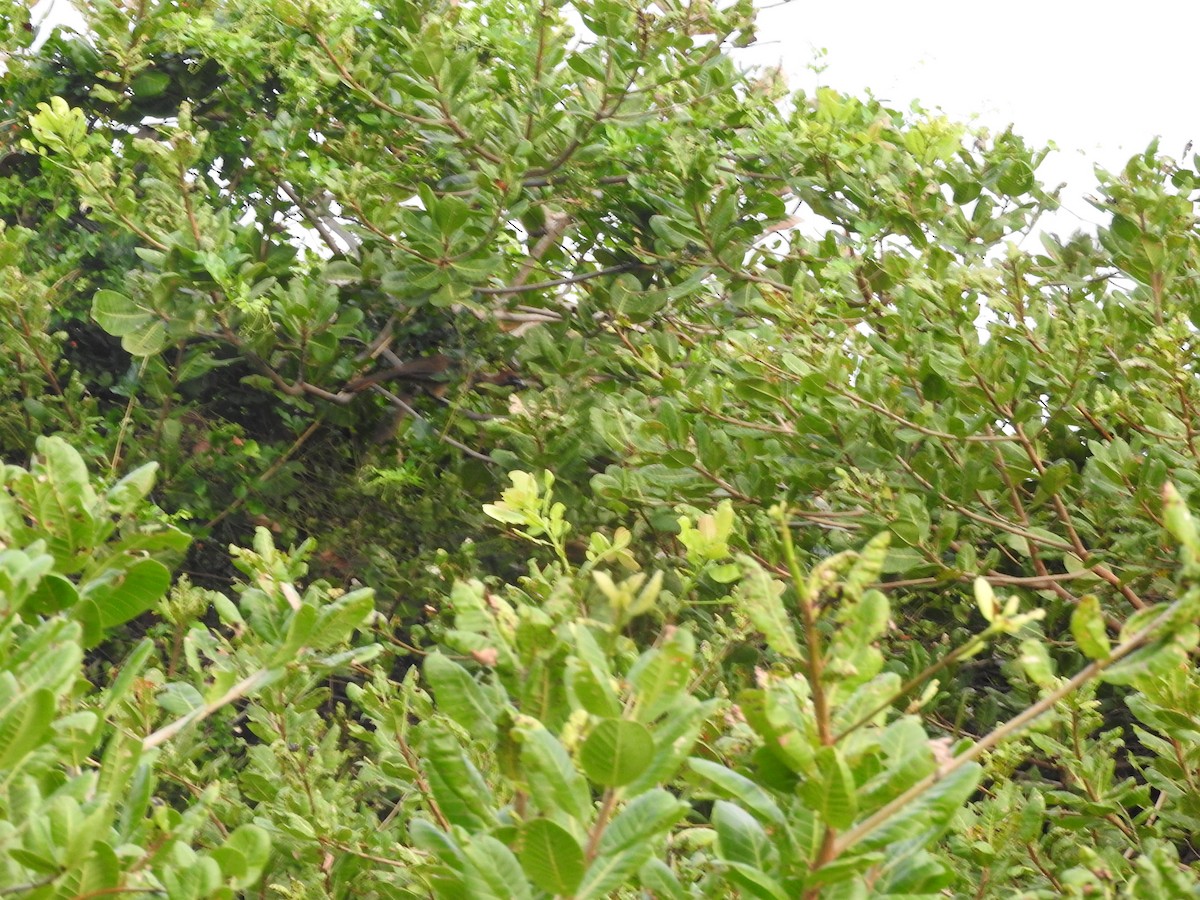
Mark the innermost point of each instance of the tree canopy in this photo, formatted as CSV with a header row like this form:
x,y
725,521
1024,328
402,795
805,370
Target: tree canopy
x,y
511,449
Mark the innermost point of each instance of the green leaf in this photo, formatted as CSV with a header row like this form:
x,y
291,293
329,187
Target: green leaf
x,y
616,752
460,697
147,341
674,737
121,596
741,839
662,674
1088,628
253,844
455,782
1036,661
492,871
666,229
428,837
54,593
912,521
761,598
60,495
1016,178
835,796
658,878
340,619
1033,813
24,727
341,272
868,566
931,814
609,872
586,64
588,676
747,792
591,690
1157,660
550,856
34,861
553,780
775,714
132,668
117,314
125,496
150,84
646,816
100,873
300,626
142,330
755,882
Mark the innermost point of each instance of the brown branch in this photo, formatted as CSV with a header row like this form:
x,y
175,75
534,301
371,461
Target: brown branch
x,y
556,225
558,282
607,805
445,438
314,220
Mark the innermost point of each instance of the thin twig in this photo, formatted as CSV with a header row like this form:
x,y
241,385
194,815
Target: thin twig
x,y
1000,734
237,692
558,282
445,438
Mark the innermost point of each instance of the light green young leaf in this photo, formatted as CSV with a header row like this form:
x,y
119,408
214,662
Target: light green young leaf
x,y
985,599
1089,629
1178,519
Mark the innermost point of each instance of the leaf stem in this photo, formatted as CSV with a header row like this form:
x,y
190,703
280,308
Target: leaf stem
x,y
965,649
814,658
807,595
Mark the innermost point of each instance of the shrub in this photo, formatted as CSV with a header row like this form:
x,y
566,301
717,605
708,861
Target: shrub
x,y
865,566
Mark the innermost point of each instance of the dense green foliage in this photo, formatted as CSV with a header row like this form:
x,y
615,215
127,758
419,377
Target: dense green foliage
x,y
691,489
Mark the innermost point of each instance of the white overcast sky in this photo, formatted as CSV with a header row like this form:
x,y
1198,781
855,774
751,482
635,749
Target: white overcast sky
x,y
1099,79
